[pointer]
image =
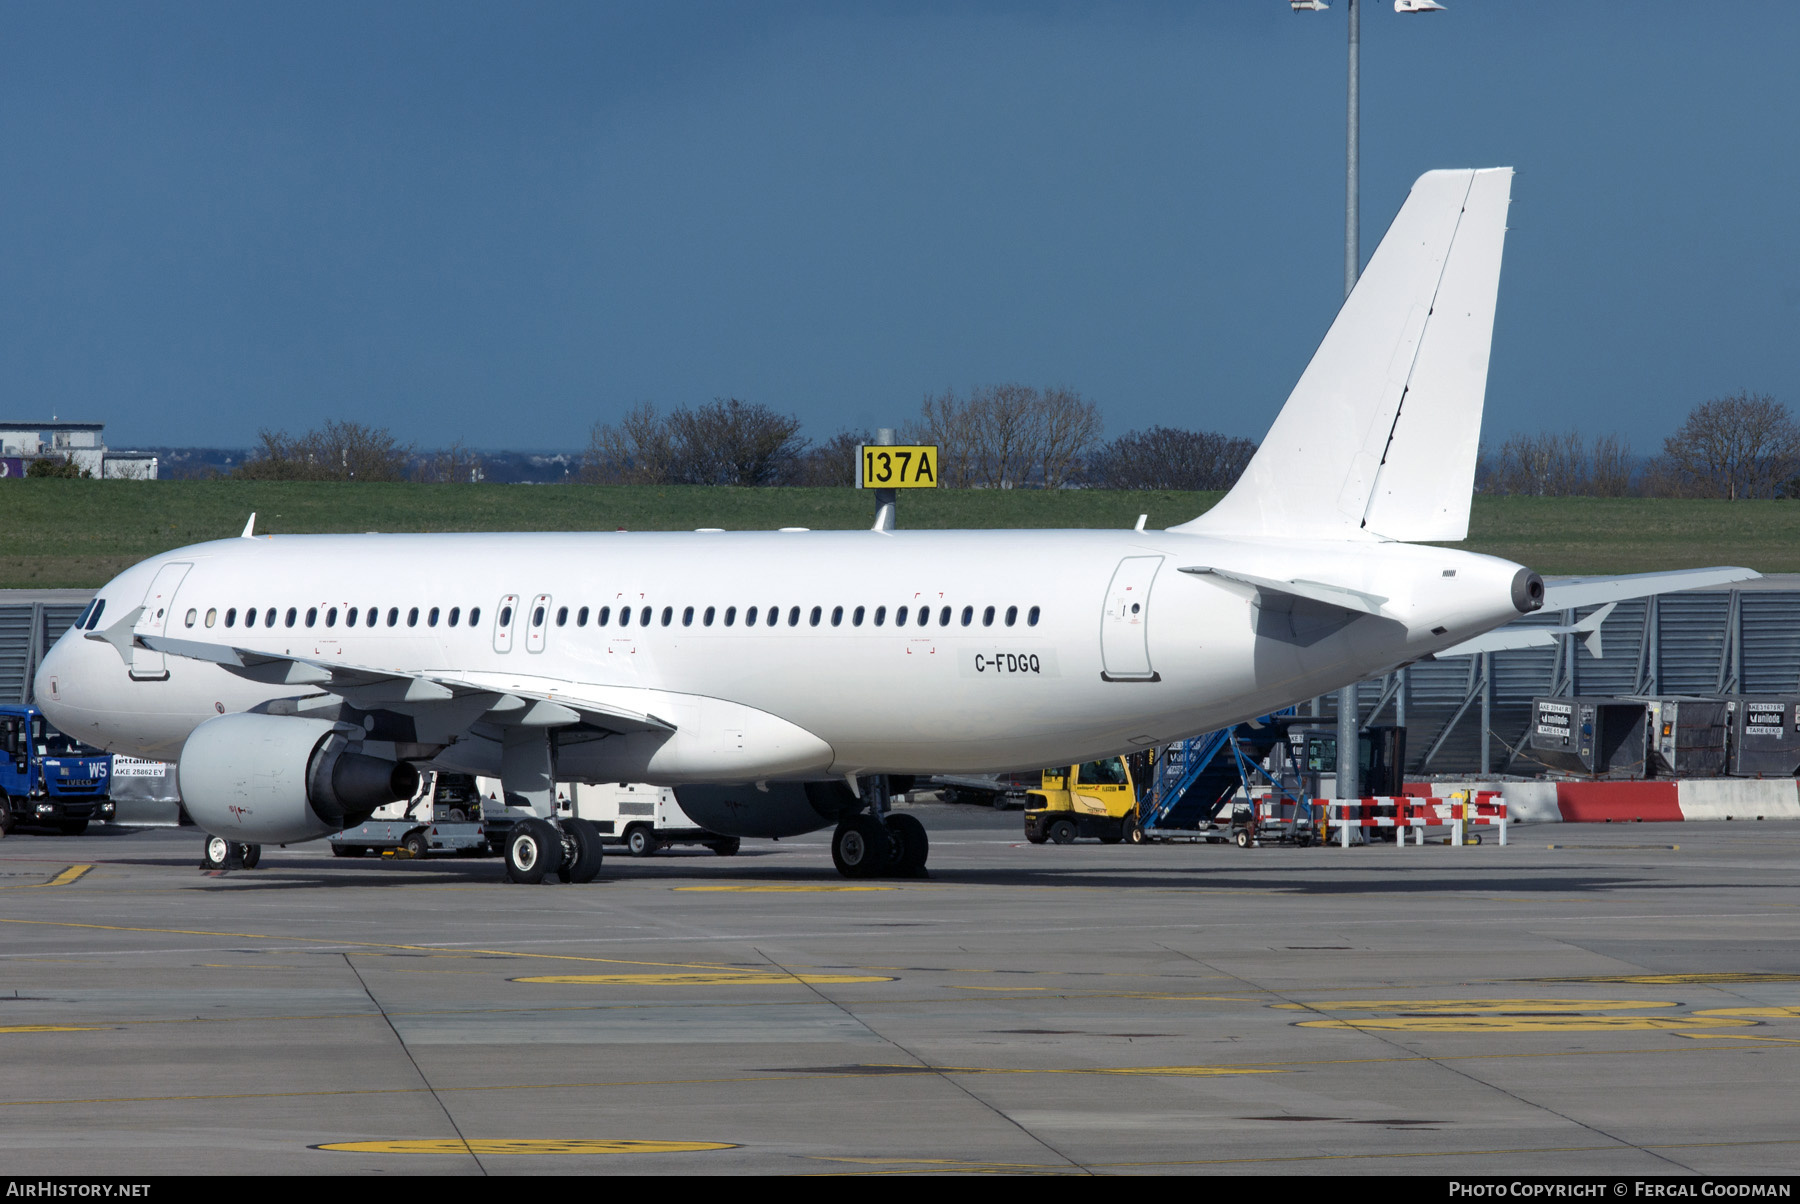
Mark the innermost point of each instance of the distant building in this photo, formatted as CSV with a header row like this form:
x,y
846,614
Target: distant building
x,y
78,442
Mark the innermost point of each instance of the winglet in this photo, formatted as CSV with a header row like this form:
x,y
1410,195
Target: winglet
x,y
250,527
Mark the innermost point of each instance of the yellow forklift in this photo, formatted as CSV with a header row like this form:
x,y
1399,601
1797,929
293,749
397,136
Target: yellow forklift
x,y
1097,798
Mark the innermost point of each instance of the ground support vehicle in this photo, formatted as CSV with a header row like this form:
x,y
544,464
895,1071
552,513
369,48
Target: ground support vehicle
x,y
443,817
47,779
645,819
1273,819
999,791
1096,799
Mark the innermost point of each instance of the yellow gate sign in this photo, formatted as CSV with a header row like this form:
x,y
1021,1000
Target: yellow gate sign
x,y
886,467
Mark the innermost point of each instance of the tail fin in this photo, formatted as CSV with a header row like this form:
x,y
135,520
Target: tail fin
x,y
1379,438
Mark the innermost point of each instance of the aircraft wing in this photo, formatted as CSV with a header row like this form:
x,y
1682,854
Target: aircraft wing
x,y
367,687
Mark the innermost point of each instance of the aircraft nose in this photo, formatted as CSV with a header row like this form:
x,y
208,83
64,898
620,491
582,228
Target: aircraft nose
x,y
58,686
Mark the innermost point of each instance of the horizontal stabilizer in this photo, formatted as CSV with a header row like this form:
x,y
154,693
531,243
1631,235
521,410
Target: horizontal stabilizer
x,y
1586,591
1506,639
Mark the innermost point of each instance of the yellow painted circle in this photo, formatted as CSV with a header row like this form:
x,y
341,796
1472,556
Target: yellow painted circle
x,y
1671,980
488,1146
784,888
1758,1013
47,1028
1528,1024
703,978
1473,1005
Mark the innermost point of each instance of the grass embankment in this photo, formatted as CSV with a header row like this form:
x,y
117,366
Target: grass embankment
x,y
80,533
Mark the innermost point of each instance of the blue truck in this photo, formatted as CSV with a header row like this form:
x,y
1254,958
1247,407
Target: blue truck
x,y
47,779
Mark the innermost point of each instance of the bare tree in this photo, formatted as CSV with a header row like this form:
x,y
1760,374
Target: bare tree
x,y
455,465
337,451
638,450
1552,465
1162,457
1007,426
1068,428
1610,468
831,463
949,423
1741,446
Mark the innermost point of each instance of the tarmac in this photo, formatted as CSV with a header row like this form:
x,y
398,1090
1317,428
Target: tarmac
x,y
1606,999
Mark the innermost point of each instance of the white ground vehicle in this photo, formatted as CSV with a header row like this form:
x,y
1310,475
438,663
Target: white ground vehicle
x,y
642,818
443,817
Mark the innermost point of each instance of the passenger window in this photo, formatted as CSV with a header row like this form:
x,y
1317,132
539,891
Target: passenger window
x,y
292,614
968,615
331,617
231,617
605,616
1012,615
707,618
687,617
250,616
944,617
537,617
350,617
193,617
624,616
562,616
731,616
474,615
581,617
856,617
393,616
987,617
750,617
794,617
900,617
212,615
412,617
312,615
668,615
505,617
432,617
455,614
813,619
837,616
1032,618
775,614
644,617
880,615
374,618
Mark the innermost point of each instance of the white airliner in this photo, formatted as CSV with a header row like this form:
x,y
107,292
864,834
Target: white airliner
x,y
773,677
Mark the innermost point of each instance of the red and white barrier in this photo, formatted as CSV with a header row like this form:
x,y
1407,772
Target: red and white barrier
x,y
1403,812
1735,799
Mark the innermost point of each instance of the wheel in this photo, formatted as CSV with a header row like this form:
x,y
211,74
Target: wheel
x,y
533,849
582,852
640,841
1241,838
1035,833
251,854
1135,835
214,853
415,844
1063,831
8,821
726,847
455,815
860,847
72,827
912,845
1000,802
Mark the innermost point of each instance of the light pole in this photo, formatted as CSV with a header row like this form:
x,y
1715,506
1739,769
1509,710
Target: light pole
x,y
1349,767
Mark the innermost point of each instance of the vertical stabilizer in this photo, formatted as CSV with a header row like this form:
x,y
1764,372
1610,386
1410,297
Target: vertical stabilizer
x,y
1379,438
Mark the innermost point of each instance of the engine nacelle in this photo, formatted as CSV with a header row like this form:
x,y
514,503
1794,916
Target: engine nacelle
x,y
783,809
277,779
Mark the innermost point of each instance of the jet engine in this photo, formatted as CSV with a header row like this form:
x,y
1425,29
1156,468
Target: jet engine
x,y
277,779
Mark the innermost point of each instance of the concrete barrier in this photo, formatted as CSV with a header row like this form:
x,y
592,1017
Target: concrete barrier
x,y
1633,802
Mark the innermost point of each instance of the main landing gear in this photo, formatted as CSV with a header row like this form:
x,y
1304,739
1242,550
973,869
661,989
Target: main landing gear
x,y
221,854
536,850
894,846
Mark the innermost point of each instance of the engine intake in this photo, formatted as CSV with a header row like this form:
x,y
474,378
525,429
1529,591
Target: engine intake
x,y
277,779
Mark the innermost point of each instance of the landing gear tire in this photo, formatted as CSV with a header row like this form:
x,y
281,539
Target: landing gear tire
x,y
533,849
251,855
640,841
728,847
415,845
214,852
582,851
860,848
1062,832
911,846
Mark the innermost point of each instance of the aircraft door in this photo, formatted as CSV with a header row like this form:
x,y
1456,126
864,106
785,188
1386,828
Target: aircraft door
x,y
159,604
1124,627
504,615
537,621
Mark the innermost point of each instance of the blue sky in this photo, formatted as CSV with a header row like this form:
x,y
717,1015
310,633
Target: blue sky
x,y
502,222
